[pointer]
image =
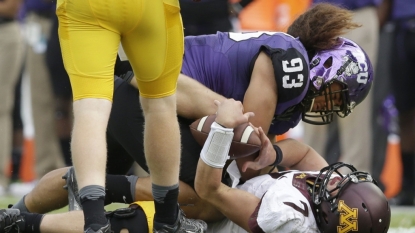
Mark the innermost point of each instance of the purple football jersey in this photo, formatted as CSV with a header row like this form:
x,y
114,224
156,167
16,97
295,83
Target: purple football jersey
x,y
403,9
224,63
351,4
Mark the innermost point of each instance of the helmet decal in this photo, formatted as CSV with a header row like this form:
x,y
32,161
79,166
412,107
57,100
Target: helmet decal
x,y
352,67
348,219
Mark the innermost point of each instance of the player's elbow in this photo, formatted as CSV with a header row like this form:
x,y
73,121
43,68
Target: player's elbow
x,y
202,190
206,190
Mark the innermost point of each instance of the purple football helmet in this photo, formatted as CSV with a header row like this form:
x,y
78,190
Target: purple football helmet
x,y
346,64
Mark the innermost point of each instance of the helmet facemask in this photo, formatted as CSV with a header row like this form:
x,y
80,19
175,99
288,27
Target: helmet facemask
x,y
324,115
321,192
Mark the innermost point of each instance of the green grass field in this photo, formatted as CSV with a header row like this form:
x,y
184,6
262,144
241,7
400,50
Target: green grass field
x,y
5,201
403,218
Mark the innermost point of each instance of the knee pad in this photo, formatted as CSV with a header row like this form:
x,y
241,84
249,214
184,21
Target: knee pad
x,y
132,219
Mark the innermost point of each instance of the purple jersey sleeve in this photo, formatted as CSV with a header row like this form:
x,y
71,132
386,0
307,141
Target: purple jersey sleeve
x,y
224,62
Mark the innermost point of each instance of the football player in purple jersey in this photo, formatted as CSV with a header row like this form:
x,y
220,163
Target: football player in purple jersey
x,y
274,83
277,75
270,72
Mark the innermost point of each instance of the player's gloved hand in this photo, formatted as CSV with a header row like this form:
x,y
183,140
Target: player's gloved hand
x,y
266,154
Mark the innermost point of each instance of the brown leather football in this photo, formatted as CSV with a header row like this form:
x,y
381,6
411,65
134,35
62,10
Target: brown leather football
x,y
245,141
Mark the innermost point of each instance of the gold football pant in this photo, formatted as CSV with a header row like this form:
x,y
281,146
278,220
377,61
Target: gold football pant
x,y
151,33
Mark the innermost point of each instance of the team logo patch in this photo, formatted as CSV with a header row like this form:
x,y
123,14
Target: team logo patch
x,y
348,218
301,176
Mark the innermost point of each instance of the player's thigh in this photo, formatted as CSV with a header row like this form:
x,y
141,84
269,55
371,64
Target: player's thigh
x,y
155,48
89,49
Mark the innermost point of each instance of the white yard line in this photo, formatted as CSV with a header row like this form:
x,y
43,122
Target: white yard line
x,y
403,210
402,230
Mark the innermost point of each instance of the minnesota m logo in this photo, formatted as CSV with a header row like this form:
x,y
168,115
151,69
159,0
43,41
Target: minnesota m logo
x,y
348,218
301,176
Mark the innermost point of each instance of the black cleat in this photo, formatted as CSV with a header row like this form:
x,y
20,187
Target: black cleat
x,y
72,187
182,225
11,221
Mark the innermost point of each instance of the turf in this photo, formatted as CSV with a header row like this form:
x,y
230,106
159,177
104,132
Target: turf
x,y
404,220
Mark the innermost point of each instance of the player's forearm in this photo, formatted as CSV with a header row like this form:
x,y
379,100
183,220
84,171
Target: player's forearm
x,y
311,161
300,156
194,100
69,222
207,181
49,186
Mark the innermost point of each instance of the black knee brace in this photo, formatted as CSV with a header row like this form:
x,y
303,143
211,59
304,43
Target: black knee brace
x,y
132,219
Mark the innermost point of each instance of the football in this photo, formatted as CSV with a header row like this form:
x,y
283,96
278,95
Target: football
x,y
245,141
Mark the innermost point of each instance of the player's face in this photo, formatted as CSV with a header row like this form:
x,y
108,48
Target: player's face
x,y
323,102
333,184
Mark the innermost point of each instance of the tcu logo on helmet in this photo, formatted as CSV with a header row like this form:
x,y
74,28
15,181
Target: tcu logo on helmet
x,y
354,68
348,218
363,75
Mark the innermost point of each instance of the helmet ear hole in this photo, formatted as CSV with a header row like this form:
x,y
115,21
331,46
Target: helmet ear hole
x,y
388,207
328,63
364,207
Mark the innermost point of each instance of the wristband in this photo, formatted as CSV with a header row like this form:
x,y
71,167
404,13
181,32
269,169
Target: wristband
x,y
215,151
278,157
